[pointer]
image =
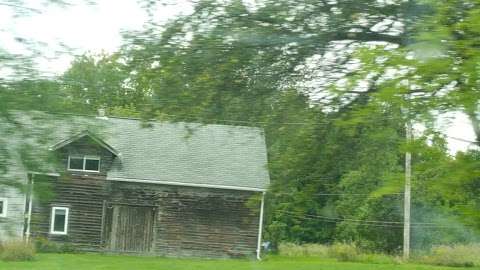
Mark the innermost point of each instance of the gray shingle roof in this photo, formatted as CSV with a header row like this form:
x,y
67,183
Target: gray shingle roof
x,y
176,153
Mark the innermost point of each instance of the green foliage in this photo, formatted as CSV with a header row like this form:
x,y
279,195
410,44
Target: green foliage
x,y
456,256
43,245
17,250
344,252
338,251
95,81
306,250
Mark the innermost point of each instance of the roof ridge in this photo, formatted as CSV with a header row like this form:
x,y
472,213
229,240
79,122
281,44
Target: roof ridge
x,y
141,119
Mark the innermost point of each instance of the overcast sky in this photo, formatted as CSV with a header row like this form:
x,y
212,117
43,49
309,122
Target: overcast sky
x,y
96,28
83,27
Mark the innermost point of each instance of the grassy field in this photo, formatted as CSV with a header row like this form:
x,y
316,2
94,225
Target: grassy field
x,y
113,262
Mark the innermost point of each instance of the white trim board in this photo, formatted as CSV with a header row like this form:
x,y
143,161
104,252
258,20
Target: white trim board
x,y
260,228
184,184
41,173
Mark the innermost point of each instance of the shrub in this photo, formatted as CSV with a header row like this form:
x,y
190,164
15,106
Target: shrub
x,y
340,251
344,252
456,256
307,250
43,245
17,250
291,250
316,250
67,248
378,258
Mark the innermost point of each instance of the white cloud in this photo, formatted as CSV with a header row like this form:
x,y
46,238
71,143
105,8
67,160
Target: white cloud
x,y
83,28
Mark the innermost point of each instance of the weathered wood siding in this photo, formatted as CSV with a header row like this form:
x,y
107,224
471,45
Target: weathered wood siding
x,y
83,192
84,196
196,222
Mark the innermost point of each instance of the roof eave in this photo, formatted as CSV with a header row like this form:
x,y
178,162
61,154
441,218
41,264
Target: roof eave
x,y
171,183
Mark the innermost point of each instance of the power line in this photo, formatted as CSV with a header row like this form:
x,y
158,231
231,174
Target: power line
x,y
340,194
373,223
462,140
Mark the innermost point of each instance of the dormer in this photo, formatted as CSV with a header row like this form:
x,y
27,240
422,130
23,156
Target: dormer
x,y
85,153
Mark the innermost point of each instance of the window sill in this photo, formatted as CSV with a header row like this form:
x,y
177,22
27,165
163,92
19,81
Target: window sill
x,y
57,233
82,171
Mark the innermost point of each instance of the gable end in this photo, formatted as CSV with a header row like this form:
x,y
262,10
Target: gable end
x,y
81,135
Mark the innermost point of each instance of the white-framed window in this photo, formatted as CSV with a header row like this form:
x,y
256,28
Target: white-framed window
x,y
3,207
59,220
84,163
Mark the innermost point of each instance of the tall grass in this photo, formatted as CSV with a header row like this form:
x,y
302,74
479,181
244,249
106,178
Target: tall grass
x,y
339,251
454,255
43,245
307,250
344,252
17,250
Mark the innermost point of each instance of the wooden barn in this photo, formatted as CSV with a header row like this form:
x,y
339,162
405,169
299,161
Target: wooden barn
x,y
120,185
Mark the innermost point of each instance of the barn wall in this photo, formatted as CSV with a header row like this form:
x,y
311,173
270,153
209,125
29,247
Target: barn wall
x,y
195,222
83,192
84,196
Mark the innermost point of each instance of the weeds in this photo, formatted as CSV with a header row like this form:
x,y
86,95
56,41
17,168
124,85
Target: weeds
x,y
455,255
17,250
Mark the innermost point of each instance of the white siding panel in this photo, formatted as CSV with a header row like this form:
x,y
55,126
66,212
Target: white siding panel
x,y
11,226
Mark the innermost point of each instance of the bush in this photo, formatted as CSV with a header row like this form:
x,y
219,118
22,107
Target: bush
x,y
43,245
378,258
340,251
291,250
67,248
456,256
316,250
344,252
17,251
307,250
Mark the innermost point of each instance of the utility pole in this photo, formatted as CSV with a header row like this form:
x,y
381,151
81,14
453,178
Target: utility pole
x,y
408,188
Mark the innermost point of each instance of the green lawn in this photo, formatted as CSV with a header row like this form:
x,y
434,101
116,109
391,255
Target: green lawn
x,y
113,262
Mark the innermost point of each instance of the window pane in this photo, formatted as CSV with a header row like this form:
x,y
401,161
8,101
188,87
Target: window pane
x,y
92,165
1,207
59,220
76,163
